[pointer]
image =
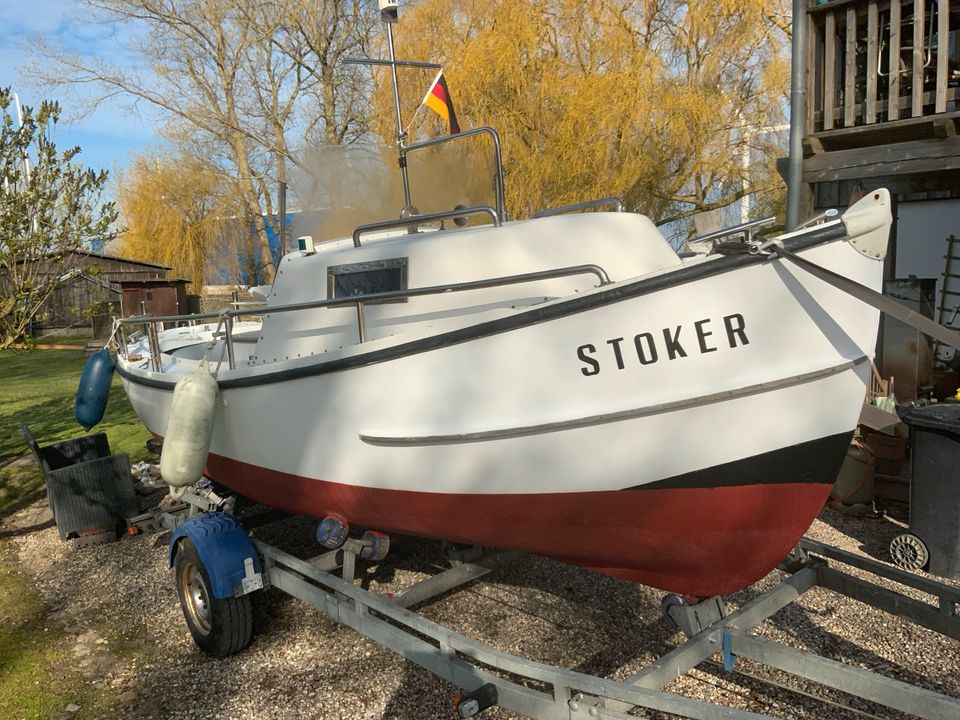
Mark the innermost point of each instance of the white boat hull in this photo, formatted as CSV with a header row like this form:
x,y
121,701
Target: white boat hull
x,y
681,433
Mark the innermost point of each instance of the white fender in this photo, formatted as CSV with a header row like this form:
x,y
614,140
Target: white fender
x,y
186,442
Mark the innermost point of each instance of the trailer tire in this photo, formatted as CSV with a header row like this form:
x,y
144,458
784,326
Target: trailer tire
x,y
219,627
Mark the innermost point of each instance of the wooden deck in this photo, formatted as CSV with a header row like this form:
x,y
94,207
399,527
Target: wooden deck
x,y
883,81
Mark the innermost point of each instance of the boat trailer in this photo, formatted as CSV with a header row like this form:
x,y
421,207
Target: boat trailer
x,y
489,677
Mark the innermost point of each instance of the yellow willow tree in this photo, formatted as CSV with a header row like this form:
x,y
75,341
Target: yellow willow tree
x,y
179,211
654,101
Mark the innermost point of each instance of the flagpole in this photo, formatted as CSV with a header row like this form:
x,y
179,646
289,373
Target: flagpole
x,y
401,135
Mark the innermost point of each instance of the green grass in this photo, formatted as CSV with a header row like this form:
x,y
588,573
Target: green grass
x,y
26,650
78,339
38,388
37,674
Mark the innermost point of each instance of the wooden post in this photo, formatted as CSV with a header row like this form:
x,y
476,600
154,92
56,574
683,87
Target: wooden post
x,y
943,38
872,57
893,63
917,86
829,69
850,70
811,73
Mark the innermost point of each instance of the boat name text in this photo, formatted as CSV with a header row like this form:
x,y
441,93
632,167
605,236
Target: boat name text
x,y
650,349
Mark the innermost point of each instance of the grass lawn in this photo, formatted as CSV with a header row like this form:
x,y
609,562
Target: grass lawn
x,y
36,670
30,649
53,339
25,649
38,388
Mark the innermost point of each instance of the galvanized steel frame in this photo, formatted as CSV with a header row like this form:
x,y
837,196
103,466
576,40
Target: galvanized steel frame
x,y
552,693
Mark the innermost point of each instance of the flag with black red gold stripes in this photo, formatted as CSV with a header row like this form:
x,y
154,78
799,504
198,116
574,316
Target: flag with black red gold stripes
x,y
438,100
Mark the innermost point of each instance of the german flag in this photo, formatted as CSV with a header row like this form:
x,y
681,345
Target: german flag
x,y
438,100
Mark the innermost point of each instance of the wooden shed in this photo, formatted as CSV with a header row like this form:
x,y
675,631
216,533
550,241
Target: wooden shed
x,y
90,287
161,296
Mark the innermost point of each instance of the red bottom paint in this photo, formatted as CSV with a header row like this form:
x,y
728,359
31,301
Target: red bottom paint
x,y
693,541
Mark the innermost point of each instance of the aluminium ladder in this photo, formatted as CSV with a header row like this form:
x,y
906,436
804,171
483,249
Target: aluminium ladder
x,y
947,310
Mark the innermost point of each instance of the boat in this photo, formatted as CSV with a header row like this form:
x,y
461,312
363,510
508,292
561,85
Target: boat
x,y
191,339
566,385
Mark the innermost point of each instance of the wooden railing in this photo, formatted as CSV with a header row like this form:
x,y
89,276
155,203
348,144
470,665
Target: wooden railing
x,y
878,61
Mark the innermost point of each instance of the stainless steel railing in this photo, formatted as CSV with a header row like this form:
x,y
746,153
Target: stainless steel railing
x,y
748,229
613,202
497,159
227,317
414,220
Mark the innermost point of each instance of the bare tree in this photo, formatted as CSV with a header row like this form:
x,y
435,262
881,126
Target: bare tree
x,y
244,79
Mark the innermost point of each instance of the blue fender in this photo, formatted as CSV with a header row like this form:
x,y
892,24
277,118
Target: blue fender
x,y
94,388
223,546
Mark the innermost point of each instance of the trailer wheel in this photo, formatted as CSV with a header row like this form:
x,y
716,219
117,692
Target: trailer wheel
x,y
909,552
219,627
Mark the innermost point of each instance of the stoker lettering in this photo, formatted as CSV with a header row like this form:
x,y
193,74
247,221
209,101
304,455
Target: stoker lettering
x,y
670,343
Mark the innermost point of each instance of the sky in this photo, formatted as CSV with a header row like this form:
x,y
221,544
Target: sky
x,y
108,136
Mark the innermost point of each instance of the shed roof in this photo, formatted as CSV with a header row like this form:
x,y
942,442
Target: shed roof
x,y
153,281
90,253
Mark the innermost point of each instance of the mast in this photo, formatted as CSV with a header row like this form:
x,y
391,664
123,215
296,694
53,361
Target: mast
x,y
389,15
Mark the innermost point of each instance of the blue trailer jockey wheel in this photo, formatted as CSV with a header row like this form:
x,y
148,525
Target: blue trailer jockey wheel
x,y
216,565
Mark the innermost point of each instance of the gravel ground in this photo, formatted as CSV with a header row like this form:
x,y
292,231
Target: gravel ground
x,y
117,611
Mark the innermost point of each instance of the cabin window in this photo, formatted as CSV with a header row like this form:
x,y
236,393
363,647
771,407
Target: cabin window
x,y
366,278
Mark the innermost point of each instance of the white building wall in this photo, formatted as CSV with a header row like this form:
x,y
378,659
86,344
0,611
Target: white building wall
x,y
922,229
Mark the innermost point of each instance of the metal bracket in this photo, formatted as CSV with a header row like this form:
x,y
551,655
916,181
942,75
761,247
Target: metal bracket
x,y
581,705
202,497
345,556
692,619
467,565
729,658
252,580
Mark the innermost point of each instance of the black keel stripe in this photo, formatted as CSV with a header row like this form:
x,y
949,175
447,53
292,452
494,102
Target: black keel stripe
x,y
815,461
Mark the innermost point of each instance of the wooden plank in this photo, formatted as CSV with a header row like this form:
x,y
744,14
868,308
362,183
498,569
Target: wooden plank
x,y
811,73
829,69
893,63
850,70
956,44
873,43
943,51
877,134
812,146
944,127
831,6
918,58
928,98
919,156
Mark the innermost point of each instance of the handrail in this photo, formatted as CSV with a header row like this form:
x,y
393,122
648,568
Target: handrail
x,y
747,227
484,130
825,216
596,270
144,319
420,219
359,300
613,200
